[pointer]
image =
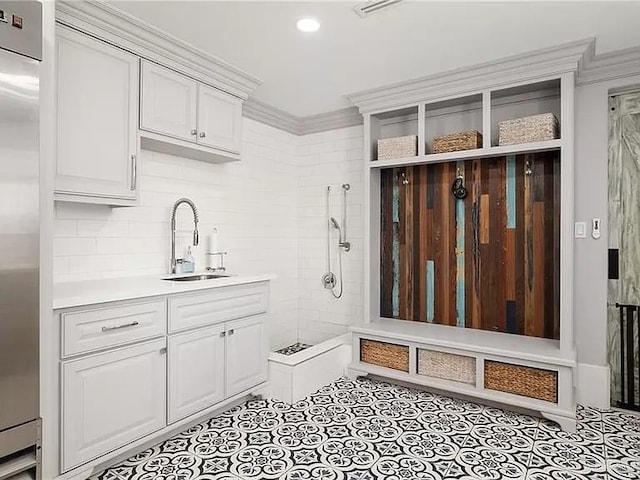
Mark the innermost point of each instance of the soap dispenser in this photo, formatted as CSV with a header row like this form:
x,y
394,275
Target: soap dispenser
x,y
189,264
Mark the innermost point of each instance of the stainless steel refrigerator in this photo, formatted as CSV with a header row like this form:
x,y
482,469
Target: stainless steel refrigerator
x,y
20,55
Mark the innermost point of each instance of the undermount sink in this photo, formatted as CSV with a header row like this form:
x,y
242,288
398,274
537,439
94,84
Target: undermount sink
x,y
193,278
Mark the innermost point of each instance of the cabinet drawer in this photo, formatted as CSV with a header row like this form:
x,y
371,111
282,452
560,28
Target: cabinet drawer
x,y
88,330
219,305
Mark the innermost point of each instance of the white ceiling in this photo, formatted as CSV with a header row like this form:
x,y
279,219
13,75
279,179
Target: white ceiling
x,y
306,74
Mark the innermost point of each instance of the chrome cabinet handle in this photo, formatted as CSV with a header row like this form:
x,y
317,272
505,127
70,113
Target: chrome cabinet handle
x,y
202,135
231,332
134,172
124,325
194,132
223,334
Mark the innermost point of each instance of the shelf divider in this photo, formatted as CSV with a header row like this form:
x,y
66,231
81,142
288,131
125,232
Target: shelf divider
x,y
486,119
422,134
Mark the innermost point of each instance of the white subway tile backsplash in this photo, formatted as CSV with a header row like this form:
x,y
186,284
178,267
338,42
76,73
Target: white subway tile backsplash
x,y
329,159
65,228
94,264
97,228
71,246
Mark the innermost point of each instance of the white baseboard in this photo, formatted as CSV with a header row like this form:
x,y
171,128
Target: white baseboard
x,y
593,385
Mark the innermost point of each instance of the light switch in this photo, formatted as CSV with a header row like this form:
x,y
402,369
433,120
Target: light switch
x,y
581,230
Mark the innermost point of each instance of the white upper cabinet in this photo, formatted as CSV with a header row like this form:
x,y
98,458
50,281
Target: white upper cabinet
x,y
219,119
97,111
181,116
168,102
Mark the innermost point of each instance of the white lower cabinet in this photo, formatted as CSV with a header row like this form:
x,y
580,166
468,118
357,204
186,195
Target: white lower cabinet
x,y
111,399
196,371
112,395
246,354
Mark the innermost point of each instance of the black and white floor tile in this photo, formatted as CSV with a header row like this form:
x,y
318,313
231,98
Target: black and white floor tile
x,y
369,430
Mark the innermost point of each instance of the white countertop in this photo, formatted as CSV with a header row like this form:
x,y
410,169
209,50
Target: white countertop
x,y
89,292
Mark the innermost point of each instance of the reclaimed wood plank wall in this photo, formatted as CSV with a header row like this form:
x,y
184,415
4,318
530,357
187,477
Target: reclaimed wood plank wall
x,y
490,261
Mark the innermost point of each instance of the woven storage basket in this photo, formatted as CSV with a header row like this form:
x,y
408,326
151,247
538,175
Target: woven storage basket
x,y
536,128
385,354
398,147
447,366
520,380
457,141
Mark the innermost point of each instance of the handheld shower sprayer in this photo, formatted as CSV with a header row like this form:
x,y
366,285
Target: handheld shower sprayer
x,y
336,225
341,243
329,279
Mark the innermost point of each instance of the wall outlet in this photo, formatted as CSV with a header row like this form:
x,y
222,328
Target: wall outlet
x,y
595,228
580,230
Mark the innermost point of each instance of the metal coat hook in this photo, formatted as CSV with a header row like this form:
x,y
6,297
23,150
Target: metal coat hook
x,y
457,189
404,179
527,169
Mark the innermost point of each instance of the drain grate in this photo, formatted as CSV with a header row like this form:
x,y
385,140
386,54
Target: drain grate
x,y
295,348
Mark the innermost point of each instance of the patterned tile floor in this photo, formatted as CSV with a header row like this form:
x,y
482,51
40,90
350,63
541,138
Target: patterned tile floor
x,y
367,430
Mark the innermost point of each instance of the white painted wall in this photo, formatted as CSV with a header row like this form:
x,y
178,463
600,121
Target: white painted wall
x,y
252,203
591,201
329,159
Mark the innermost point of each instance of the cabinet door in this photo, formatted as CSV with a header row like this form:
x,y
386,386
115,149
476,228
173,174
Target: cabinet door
x,y
111,399
168,102
219,119
196,371
97,111
246,354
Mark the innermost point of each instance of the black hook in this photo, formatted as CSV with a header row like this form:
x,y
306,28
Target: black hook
x,y
458,189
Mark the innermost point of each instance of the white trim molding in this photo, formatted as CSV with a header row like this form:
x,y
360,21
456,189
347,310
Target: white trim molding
x,y
114,26
272,116
345,117
609,66
265,113
593,385
508,71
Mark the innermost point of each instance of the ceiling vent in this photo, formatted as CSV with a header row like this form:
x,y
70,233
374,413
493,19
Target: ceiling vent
x,y
374,6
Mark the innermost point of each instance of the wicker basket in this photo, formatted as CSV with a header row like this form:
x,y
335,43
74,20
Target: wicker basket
x,y
398,147
457,141
519,380
385,354
447,366
536,128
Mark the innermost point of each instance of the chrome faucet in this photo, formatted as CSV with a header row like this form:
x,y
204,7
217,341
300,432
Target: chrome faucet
x,y
173,229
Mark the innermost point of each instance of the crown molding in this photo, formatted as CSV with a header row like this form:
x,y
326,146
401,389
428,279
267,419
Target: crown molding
x,y
265,113
530,66
343,118
112,25
270,115
609,66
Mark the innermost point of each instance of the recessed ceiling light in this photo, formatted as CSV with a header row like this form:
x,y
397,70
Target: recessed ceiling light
x,y
308,25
